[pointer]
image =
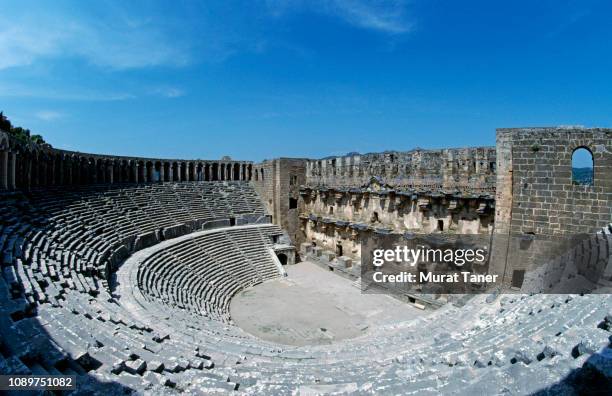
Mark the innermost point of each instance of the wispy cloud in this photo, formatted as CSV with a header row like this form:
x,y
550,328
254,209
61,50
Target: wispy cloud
x,y
106,41
49,115
168,92
388,16
82,94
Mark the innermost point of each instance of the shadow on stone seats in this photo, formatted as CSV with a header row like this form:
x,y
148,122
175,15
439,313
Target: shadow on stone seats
x,y
593,378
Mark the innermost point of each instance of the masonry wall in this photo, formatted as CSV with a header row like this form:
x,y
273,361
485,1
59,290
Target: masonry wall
x,y
465,169
278,182
538,207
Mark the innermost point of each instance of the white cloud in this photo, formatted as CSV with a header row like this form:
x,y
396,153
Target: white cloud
x,y
169,92
107,41
388,16
27,91
48,115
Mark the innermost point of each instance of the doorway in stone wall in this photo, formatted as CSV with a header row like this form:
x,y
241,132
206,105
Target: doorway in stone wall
x,y
282,257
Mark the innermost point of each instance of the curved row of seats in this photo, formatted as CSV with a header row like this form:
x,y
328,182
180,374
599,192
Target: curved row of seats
x,y
86,231
58,246
203,273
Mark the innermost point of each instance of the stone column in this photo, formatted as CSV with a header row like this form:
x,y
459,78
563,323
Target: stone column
x,y
135,172
170,172
109,173
179,165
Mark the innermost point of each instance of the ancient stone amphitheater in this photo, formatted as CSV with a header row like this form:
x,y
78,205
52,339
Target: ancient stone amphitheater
x,y
121,270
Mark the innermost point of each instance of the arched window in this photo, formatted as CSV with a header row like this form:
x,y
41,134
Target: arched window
x,y
582,167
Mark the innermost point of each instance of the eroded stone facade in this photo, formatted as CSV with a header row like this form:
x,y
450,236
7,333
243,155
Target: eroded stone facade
x,y
421,191
463,169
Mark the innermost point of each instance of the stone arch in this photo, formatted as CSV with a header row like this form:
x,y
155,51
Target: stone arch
x,y
166,172
583,166
175,171
203,172
215,171
183,171
250,172
190,171
125,176
157,171
236,172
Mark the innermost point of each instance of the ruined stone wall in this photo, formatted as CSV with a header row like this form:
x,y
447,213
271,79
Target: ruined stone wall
x,y
538,207
464,169
329,214
422,191
278,182
263,180
404,212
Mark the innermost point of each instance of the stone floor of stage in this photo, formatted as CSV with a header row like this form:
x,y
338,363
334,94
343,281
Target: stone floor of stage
x,y
313,306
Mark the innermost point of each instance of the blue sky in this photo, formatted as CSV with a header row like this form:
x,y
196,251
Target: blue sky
x,y
263,79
